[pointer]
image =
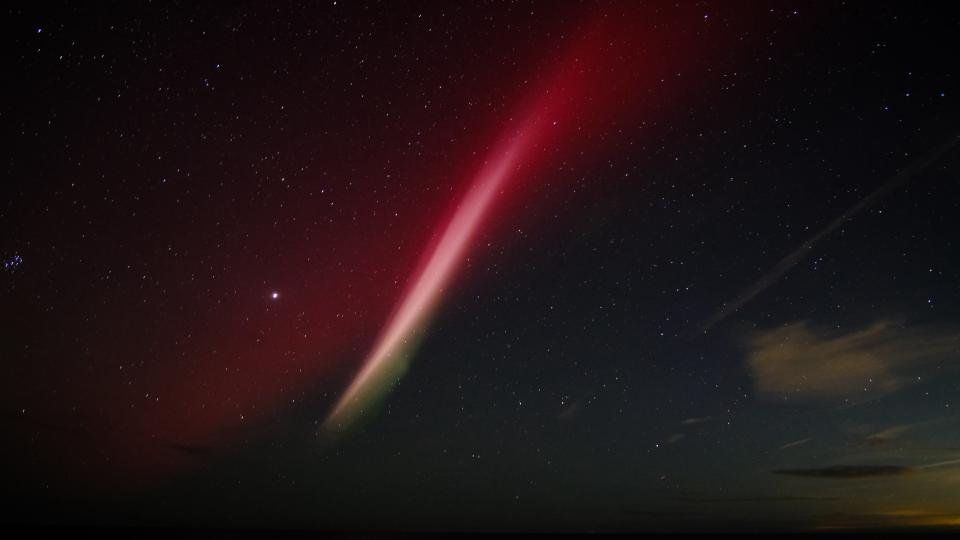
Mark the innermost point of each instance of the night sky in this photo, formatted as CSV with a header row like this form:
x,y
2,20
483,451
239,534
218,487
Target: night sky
x,y
481,266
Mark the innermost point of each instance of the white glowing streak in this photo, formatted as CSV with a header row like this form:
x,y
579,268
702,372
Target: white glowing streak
x,y
448,253
940,464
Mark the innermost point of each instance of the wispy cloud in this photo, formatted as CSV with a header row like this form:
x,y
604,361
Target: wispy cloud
x,y
665,513
757,499
801,362
878,439
844,472
892,520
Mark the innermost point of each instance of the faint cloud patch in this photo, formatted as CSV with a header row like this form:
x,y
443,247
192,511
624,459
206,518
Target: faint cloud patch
x,y
879,439
844,472
676,437
802,362
905,519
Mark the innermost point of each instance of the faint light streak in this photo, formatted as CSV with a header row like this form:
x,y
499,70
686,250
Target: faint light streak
x,y
806,249
940,464
796,443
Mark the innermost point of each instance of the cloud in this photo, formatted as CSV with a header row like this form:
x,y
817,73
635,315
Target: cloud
x,y
879,439
801,362
664,513
845,472
757,499
893,520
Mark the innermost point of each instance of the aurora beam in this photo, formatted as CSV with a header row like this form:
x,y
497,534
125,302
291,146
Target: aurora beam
x,y
574,84
389,357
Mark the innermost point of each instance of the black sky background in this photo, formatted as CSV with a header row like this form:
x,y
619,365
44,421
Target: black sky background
x,y
168,165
